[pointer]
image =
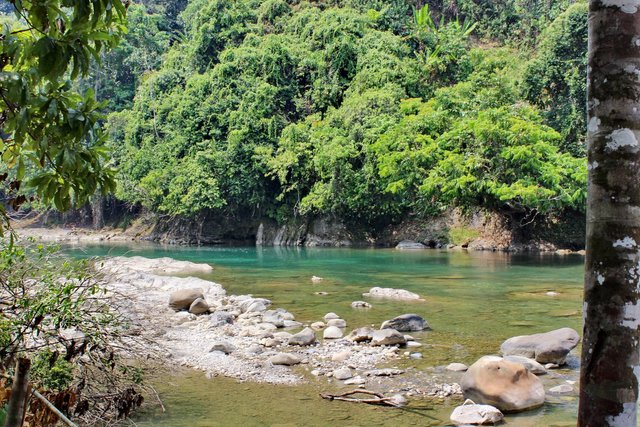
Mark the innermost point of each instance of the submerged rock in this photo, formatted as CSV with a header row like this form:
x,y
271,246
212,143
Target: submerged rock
x,y
549,347
183,298
561,389
391,293
506,385
406,323
476,414
410,245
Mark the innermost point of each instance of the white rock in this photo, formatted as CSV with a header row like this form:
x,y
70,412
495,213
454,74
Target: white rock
x,y
330,316
457,367
391,293
476,414
561,389
332,332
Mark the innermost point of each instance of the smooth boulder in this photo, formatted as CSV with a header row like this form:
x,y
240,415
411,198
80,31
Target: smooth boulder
x,y
332,333
506,385
183,298
199,306
304,337
472,414
387,337
406,323
549,347
286,359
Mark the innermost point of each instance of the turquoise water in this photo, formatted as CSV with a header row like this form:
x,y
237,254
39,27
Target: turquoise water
x,y
472,300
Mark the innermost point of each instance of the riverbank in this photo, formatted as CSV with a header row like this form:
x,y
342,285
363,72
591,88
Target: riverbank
x,y
139,233
239,337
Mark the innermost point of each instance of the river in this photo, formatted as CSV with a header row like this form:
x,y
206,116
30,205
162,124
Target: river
x,y
473,302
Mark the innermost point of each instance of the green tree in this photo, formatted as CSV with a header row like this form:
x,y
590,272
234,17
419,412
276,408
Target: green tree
x,y
44,122
556,80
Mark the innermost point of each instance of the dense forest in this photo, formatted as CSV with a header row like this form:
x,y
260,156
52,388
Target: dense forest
x,y
363,110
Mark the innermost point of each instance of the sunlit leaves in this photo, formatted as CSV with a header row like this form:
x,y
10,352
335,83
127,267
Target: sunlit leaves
x,y
46,126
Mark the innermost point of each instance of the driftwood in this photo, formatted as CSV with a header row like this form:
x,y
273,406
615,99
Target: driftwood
x,y
379,398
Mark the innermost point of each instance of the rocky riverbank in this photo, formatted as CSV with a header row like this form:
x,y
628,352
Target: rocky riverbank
x,y
245,338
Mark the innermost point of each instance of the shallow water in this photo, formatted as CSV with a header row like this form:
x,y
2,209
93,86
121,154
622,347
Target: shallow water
x,y
473,302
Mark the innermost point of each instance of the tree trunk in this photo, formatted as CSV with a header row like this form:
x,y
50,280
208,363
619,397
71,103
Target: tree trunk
x,y
610,367
19,393
97,211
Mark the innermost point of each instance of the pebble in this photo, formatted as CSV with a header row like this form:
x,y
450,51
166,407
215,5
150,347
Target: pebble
x,y
457,367
342,374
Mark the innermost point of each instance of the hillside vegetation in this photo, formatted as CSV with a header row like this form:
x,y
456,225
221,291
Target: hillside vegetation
x,y
364,110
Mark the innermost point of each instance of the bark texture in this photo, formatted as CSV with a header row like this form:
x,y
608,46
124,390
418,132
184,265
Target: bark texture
x,y
19,394
610,354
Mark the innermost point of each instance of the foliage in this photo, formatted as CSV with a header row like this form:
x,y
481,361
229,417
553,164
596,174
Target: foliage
x,y
462,235
120,71
363,109
556,80
514,21
55,376
54,310
44,122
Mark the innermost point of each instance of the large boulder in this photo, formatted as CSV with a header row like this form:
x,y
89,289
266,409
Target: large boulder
x,y
506,385
387,337
472,414
406,323
183,298
549,347
390,293
304,337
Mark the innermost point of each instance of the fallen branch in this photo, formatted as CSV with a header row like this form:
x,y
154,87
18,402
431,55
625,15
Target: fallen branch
x,y
53,409
379,399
